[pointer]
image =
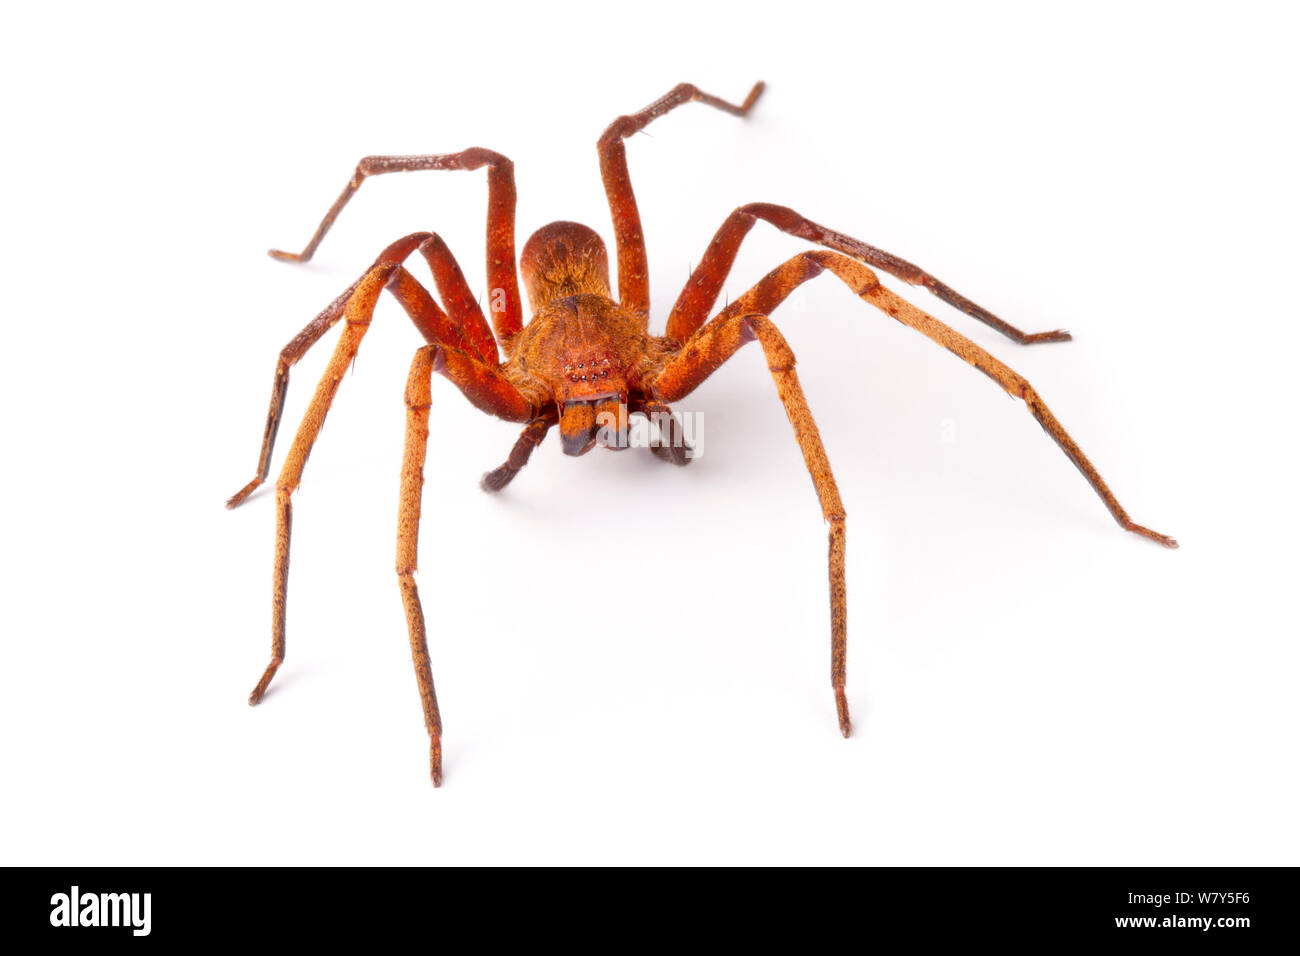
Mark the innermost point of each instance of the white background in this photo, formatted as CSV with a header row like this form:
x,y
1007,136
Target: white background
x,y
1029,684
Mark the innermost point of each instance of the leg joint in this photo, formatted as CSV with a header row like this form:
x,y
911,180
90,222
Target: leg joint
x,y
432,242
780,358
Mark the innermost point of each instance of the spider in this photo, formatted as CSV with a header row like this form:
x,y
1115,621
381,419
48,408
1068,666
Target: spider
x,y
587,359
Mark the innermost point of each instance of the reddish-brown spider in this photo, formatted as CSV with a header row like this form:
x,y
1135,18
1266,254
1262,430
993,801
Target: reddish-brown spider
x,y
583,354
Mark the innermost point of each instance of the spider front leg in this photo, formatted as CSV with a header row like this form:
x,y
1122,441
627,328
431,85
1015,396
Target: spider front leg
x,y
701,292
488,391
418,402
708,350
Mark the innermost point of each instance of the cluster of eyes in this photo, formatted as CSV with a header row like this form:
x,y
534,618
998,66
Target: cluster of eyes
x,y
604,372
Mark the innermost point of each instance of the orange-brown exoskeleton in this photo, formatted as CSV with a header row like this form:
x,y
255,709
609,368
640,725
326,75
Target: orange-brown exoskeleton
x,y
587,359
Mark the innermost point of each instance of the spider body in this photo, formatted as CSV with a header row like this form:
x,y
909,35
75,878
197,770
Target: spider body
x,y
586,359
581,354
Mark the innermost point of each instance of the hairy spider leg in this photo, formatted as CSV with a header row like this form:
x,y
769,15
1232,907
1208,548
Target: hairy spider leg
x,y
716,343
737,324
465,313
701,292
503,280
467,329
418,400
633,268
485,387
773,288
427,360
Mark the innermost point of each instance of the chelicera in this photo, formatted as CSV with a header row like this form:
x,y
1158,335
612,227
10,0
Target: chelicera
x,y
587,357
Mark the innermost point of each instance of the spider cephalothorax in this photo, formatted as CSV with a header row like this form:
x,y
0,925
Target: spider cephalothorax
x,y
581,351
586,358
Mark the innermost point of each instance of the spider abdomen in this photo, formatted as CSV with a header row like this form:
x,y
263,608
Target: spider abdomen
x,y
563,259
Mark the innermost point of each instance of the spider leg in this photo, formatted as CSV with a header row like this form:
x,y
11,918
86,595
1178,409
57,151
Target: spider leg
x,y
532,435
701,292
466,329
459,300
418,401
680,377
507,313
472,379
357,309
483,385
633,270
716,343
